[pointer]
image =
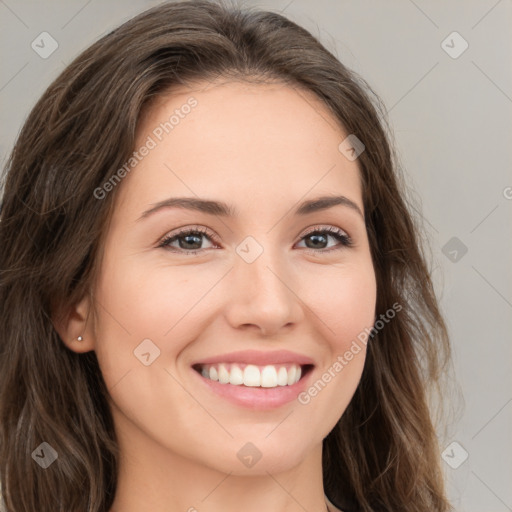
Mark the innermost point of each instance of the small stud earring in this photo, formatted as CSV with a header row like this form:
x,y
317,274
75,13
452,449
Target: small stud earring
x,y
79,338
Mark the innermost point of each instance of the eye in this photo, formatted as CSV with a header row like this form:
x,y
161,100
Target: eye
x,y
188,240
319,236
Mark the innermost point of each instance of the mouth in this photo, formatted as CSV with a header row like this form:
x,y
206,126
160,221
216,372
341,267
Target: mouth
x,y
253,379
254,376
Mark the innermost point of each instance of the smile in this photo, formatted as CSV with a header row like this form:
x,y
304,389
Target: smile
x,y
250,375
254,395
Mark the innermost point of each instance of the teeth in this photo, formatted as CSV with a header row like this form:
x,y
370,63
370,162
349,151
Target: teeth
x,y
282,377
223,374
250,375
236,377
291,375
269,377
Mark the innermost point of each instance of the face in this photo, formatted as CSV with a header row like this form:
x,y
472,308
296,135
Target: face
x,y
185,296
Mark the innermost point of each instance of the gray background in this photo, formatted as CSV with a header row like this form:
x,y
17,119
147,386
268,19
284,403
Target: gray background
x,y
453,125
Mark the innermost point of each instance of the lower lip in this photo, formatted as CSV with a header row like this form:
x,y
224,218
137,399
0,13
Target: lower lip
x,y
257,397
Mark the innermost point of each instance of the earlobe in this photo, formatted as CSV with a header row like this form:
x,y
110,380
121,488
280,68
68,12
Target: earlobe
x,y
74,326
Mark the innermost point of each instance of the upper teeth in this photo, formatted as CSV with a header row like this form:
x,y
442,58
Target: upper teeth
x,y
269,376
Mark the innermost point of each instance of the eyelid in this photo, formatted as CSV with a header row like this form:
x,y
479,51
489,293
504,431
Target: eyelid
x,y
209,232
324,227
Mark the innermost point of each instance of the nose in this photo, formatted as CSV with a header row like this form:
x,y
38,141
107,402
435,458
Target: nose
x,y
263,295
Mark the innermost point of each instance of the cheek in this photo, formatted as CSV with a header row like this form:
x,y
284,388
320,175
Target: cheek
x,y
162,303
133,307
344,302
148,301
343,298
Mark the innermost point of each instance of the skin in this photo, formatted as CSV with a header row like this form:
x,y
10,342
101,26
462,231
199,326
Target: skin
x,y
262,149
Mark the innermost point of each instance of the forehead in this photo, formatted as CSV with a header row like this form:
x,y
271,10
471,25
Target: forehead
x,y
242,143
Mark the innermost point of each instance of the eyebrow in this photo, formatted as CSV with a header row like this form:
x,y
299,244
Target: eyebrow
x,y
224,210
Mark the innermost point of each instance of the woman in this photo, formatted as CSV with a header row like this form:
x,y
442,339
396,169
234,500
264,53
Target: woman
x,y
213,292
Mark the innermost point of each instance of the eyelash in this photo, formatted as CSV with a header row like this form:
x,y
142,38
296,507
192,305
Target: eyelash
x,y
340,235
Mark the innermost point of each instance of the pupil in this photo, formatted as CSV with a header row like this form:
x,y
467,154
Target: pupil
x,y
187,241
316,238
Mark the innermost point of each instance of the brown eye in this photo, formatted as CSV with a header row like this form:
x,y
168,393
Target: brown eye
x,y
319,238
189,241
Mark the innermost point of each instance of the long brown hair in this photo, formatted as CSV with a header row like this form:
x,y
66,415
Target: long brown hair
x,y
383,453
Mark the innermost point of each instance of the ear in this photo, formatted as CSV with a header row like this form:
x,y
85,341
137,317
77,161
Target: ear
x,y
75,321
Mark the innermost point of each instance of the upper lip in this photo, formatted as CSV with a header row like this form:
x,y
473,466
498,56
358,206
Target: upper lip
x,y
258,358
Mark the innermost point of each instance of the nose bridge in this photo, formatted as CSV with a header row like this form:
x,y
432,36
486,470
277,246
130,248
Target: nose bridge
x,y
266,273
263,294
